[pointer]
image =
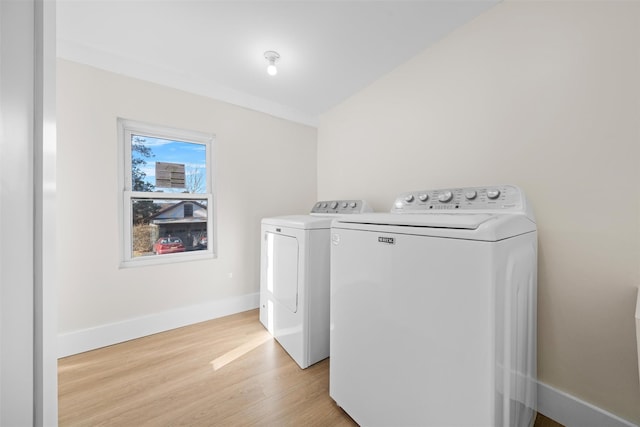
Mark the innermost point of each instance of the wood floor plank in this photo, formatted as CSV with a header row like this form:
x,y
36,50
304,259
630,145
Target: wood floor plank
x,y
168,379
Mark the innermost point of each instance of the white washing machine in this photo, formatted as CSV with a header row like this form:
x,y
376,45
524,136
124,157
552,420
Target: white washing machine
x,y
294,278
433,310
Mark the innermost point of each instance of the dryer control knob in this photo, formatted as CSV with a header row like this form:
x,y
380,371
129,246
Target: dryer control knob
x,y
423,197
493,194
353,205
334,205
409,198
470,195
445,196
324,205
345,204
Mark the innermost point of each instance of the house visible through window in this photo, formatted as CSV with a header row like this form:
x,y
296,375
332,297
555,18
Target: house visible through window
x,y
167,204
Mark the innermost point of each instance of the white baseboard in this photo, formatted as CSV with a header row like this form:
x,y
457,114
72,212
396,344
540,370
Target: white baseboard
x,y
101,336
570,411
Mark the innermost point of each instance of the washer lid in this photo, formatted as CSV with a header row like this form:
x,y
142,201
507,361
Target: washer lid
x,y
439,220
471,226
303,222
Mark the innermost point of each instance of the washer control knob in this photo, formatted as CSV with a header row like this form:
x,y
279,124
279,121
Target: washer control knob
x,y
324,205
409,198
445,196
334,205
345,204
471,194
353,205
423,197
493,194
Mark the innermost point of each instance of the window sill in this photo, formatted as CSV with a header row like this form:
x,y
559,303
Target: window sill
x,y
167,259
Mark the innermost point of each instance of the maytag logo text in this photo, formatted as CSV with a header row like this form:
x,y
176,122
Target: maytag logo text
x,y
387,240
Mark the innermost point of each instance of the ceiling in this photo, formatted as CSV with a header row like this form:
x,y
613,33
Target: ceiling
x,y
329,49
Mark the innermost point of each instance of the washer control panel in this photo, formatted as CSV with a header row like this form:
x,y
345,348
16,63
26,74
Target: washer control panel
x,y
498,197
341,207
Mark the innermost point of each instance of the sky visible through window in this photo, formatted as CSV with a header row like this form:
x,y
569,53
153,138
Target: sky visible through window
x,y
191,155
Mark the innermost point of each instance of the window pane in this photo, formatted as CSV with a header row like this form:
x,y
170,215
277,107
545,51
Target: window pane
x,y
167,166
168,226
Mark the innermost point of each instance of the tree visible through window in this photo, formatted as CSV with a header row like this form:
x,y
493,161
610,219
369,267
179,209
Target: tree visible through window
x,y
167,193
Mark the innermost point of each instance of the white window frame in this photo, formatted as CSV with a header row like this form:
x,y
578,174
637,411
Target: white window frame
x,y
125,130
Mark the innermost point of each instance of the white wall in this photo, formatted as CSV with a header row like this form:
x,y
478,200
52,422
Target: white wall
x,y
28,363
17,75
264,166
544,95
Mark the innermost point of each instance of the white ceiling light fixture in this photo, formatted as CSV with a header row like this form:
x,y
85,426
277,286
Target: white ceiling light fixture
x,y
272,57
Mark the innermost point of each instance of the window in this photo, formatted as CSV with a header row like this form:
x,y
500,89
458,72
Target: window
x,y
167,206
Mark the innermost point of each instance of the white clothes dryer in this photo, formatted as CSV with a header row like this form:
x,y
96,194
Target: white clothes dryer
x,y
294,278
433,310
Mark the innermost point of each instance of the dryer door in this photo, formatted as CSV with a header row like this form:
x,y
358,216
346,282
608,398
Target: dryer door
x,y
282,269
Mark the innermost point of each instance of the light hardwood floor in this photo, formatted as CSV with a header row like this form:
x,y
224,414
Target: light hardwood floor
x,y
224,372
